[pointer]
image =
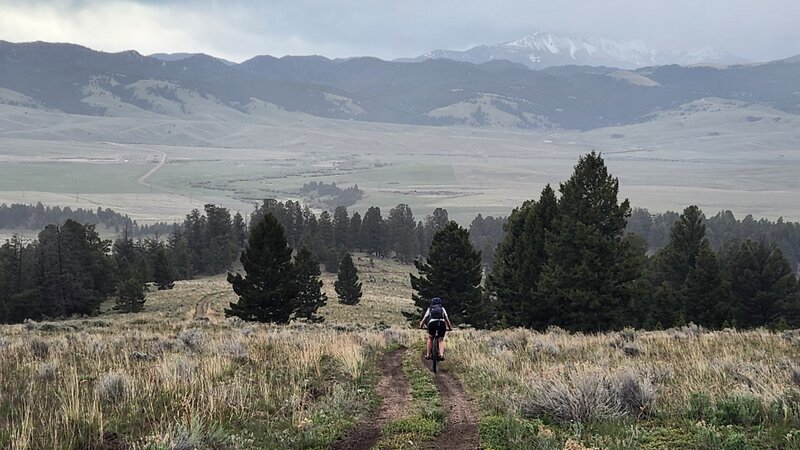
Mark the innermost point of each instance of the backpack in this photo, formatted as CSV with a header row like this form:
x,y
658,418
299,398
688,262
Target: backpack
x,y
437,312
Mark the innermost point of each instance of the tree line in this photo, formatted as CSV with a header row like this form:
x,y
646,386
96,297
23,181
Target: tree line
x,y
721,229
567,261
70,270
34,217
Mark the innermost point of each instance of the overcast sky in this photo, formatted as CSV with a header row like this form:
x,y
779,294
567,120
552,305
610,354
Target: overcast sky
x,y
240,29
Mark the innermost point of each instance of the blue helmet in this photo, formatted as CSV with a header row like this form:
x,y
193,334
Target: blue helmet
x,y
436,301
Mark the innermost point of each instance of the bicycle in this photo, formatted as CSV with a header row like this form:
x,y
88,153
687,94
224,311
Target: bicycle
x,y
435,350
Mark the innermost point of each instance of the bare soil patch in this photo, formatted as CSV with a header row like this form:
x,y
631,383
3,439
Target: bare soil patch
x,y
461,428
395,393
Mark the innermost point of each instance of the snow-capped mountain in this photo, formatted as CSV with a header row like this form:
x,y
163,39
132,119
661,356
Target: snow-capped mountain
x,y
540,50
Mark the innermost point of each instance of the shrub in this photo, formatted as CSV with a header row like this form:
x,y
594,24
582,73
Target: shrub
x,y
40,348
112,387
636,394
700,406
740,409
511,433
193,338
235,350
631,350
47,371
576,397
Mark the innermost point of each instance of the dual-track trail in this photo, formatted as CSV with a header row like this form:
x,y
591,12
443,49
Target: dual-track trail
x,y
461,426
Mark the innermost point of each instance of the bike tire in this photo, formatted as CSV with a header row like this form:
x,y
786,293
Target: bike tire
x,y
435,354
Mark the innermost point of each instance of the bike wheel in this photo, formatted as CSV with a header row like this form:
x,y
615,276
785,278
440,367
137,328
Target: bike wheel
x,y
435,354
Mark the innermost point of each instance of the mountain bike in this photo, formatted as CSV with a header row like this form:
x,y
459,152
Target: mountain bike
x,y
435,358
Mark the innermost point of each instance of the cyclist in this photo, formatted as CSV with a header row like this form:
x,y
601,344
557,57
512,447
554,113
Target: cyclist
x,y
438,324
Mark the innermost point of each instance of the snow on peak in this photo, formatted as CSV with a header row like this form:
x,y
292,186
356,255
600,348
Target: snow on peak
x,y
544,49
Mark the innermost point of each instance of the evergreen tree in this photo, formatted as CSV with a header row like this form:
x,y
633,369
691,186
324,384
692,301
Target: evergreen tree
x,y
373,232
325,244
130,291
179,254
221,248
401,228
486,235
672,264
686,239
705,293
71,270
762,283
163,272
194,228
520,260
354,232
341,228
347,286
453,272
433,223
268,291
129,275
590,271
239,231
309,293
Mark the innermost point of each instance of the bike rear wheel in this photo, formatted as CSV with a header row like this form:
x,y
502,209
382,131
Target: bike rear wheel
x,y
435,353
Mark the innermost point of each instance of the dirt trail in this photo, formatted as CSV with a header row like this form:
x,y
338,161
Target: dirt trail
x,y
201,309
395,393
461,427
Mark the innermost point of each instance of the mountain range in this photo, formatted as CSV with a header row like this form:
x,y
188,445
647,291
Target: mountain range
x,y
540,50
78,80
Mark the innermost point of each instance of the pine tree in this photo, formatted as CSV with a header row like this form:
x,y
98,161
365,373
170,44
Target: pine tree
x,y
519,262
686,238
705,293
433,223
131,294
373,232
672,264
163,272
325,248
354,232
309,294
762,283
221,247
453,272
347,286
341,228
179,254
239,231
268,291
401,228
588,277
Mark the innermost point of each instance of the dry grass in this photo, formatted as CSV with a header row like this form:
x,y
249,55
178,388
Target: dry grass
x,y
518,367
163,379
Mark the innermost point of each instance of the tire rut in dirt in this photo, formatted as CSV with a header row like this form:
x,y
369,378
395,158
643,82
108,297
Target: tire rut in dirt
x,y
461,427
395,392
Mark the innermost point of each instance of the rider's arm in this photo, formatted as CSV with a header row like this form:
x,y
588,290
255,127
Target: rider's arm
x,y
447,319
425,317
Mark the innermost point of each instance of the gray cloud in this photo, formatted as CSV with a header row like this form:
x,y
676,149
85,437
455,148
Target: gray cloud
x,y
239,29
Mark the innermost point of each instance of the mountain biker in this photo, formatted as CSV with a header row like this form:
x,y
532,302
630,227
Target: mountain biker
x,y
438,324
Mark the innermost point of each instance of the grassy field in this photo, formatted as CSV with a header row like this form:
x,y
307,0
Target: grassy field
x,y
181,375
716,153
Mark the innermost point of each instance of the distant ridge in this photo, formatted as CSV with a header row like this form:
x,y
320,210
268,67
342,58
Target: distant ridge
x,y
541,49
439,92
181,56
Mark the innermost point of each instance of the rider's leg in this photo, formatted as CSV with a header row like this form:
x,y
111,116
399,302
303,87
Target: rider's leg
x,y
441,339
428,348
